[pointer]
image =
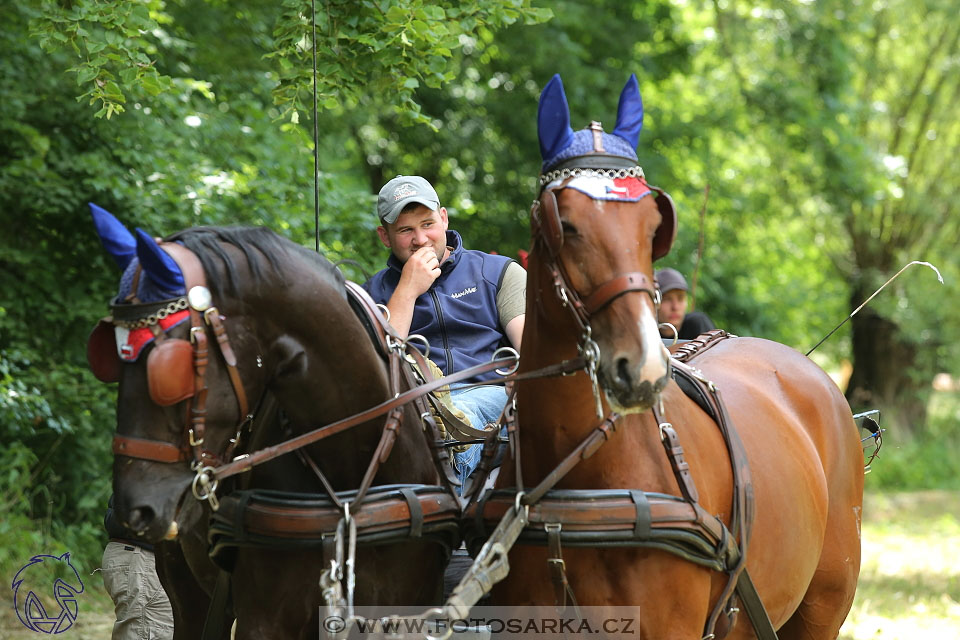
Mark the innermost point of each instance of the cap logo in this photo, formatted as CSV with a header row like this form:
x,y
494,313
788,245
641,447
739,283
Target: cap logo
x,y
403,191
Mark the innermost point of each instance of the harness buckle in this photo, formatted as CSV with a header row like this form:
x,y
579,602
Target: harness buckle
x,y
194,443
212,311
663,427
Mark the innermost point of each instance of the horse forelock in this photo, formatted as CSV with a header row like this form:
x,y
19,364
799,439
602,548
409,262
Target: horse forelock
x,y
270,258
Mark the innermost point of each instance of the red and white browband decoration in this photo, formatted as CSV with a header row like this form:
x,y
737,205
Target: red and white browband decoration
x,y
130,342
599,187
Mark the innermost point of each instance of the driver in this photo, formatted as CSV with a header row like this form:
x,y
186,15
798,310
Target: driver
x,y
673,308
465,303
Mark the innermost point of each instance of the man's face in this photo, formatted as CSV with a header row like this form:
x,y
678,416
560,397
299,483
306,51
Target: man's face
x,y
416,228
673,307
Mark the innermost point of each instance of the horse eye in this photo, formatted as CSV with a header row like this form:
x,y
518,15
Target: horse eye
x,y
568,229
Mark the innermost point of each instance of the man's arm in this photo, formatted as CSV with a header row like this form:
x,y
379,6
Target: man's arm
x,y
400,307
512,302
514,331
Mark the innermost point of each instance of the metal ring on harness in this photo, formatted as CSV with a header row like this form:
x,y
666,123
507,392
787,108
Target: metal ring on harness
x,y
437,614
516,360
385,310
416,337
676,334
207,489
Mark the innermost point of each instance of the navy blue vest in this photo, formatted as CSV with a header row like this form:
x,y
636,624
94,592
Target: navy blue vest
x,y
458,314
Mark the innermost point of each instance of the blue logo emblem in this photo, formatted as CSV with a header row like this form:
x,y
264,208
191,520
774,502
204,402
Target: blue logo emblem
x,y
45,593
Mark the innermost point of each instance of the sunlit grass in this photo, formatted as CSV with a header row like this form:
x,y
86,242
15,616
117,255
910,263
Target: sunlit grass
x,y
910,577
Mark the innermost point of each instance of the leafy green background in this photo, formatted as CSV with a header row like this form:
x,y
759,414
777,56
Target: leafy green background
x,y
822,133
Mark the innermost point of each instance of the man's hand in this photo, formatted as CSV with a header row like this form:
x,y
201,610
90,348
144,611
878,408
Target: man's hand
x,y
419,272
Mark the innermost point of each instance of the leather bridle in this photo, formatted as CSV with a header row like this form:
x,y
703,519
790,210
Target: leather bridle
x,y
547,232
169,354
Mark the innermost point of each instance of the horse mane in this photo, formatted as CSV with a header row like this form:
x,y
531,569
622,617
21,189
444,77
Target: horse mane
x,y
264,251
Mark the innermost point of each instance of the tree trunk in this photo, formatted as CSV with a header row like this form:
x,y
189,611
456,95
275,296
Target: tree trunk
x,y
882,364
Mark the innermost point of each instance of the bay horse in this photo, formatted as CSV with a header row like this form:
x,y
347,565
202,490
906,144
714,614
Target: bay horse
x,y
597,228
285,329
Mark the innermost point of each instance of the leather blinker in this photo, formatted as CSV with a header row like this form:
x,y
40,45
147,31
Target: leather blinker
x,y
667,231
551,229
170,372
102,352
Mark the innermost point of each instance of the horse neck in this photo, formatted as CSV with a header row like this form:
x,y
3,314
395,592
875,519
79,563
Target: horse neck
x,y
327,368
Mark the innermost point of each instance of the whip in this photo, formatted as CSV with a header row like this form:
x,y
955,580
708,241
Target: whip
x,y
895,276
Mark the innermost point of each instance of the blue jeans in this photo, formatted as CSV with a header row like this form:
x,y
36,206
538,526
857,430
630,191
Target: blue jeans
x,y
483,405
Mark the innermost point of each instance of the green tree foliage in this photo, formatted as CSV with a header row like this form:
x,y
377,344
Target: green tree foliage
x,y
195,138
858,102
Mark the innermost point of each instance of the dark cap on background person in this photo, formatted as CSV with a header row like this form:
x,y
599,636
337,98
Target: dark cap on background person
x,y
670,279
401,192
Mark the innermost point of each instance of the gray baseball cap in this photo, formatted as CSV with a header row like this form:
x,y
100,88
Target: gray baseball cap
x,y
670,279
400,192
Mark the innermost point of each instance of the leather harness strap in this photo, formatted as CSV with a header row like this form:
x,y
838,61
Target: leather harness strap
x,y
268,453
392,513
608,291
148,449
587,447
558,568
681,470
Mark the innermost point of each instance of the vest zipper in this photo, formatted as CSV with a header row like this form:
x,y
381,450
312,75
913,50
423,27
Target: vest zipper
x,y
443,332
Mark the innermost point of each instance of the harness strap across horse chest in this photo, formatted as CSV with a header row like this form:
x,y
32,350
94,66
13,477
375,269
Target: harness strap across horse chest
x,y
617,518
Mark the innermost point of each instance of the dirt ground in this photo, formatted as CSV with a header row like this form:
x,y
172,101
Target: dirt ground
x,y
909,582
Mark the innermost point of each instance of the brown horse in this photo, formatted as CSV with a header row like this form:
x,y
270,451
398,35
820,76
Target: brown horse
x,y
292,334
799,437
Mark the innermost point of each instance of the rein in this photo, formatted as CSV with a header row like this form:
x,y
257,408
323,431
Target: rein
x,y
248,462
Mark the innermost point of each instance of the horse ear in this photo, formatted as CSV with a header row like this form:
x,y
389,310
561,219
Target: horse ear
x,y
553,119
157,264
630,113
114,237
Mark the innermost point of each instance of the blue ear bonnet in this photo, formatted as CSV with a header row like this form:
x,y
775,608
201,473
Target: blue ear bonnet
x,y
559,142
582,145
160,279
147,289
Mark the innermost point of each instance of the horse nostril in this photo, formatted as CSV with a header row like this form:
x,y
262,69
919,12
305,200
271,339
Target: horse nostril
x,y
623,372
140,518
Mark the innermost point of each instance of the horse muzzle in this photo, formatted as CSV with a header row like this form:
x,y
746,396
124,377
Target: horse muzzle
x,y
633,384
